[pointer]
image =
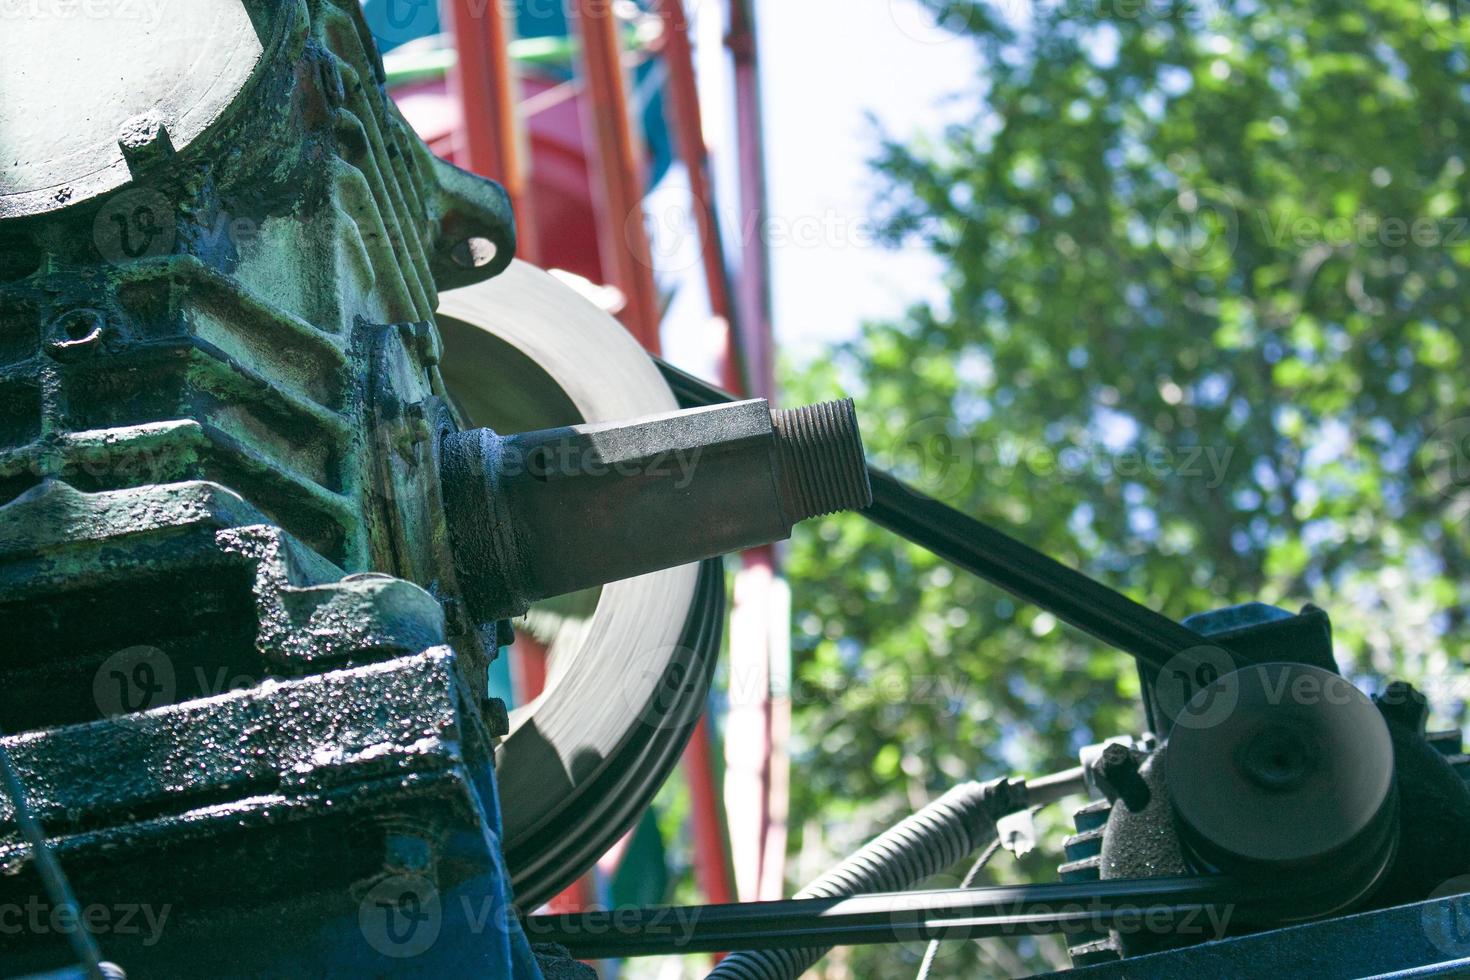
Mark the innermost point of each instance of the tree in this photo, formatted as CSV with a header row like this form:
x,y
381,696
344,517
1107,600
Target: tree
x,y
1204,338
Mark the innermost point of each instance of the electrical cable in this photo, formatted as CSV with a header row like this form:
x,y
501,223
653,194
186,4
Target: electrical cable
x,y
932,949
53,878
1040,791
919,847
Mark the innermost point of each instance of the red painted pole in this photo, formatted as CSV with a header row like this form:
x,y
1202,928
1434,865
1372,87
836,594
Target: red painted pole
x,y
705,807
483,84
756,342
621,232
755,295
688,127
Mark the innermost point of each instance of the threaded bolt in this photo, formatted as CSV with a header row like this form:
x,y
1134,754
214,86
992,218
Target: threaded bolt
x,y
1118,775
820,455
1403,704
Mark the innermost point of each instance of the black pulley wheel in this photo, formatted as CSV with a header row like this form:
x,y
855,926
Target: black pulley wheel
x,y
629,663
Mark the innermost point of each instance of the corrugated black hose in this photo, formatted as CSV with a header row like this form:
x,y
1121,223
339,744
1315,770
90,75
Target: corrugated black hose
x,y
927,843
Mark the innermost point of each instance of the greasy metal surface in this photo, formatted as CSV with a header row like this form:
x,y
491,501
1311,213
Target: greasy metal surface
x,y
256,315
239,683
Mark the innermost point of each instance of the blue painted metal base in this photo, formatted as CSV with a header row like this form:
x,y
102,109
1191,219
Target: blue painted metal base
x,y
1426,939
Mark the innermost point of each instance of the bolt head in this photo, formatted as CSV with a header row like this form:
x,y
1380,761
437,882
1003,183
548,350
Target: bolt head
x,y
144,139
75,334
1278,759
1403,704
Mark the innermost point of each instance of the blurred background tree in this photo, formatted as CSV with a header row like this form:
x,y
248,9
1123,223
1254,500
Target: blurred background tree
x,y
1204,337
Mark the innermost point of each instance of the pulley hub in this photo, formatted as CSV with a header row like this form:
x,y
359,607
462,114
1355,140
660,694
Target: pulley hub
x,y
1295,775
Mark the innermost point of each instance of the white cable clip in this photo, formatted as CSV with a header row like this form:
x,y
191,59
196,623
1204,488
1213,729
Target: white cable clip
x,y
1017,832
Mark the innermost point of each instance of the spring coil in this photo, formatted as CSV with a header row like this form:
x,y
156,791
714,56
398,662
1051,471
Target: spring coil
x,y
932,840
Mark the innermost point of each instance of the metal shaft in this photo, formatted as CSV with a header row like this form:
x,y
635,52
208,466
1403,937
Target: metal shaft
x,y
997,557
556,510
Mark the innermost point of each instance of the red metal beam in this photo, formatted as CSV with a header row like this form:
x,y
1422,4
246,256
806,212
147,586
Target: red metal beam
x,y
688,127
705,807
621,232
756,344
755,266
482,82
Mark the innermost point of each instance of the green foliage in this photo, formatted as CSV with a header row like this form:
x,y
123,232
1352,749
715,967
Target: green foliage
x,y
1204,338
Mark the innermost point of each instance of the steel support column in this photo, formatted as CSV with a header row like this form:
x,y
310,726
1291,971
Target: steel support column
x,y
489,139
622,236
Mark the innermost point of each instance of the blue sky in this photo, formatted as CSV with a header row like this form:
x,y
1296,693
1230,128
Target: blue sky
x,y
827,64
834,74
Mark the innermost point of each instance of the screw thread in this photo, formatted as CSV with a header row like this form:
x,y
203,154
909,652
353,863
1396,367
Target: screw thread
x,y
820,457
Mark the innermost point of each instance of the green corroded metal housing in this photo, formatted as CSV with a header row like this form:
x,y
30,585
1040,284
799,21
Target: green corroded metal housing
x,y
237,681
252,310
